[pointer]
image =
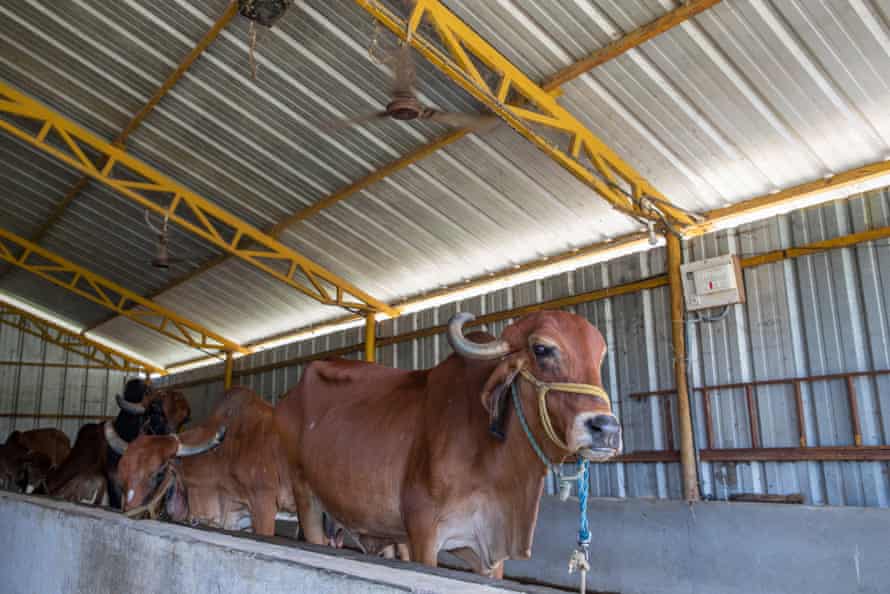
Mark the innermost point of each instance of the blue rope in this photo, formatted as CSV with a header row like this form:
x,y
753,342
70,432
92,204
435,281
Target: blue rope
x,y
528,433
583,490
583,479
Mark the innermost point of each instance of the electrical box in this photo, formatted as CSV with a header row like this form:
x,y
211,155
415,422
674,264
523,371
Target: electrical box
x,y
714,282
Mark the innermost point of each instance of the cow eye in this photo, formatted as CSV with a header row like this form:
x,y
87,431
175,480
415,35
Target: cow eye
x,y
543,351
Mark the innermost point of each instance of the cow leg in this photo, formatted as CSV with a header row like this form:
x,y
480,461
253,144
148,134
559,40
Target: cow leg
x,y
404,552
311,515
422,541
262,513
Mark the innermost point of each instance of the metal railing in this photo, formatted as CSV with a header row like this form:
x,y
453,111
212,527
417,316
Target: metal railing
x,y
757,452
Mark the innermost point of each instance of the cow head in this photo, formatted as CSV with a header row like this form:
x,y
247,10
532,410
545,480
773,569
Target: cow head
x,y
145,464
543,348
162,411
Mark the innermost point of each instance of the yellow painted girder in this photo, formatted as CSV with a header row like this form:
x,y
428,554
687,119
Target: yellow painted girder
x,y
587,158
89,285
152,190
79,344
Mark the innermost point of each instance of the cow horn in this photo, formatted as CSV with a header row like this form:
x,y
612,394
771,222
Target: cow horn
x,y
115,441
194,450
469,349
130,407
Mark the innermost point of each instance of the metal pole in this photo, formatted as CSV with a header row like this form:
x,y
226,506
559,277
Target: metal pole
x,y
227,374
678,334
370,338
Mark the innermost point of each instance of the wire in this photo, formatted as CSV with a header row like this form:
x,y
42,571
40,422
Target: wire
x,y
648,203
706,319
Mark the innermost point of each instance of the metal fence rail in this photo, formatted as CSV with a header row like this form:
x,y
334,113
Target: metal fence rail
x,y
855,452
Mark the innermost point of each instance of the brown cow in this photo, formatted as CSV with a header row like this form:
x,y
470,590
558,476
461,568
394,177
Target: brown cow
x,y
417,454
22,470
87,474
245,478
51,442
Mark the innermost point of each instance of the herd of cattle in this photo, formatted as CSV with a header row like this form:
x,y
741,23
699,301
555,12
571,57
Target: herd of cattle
x,y
451,458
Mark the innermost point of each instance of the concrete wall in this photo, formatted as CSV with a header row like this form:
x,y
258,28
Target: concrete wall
x,y
58,548
639,547
669,547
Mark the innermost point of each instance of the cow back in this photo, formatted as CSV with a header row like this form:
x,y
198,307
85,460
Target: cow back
x,y
49,441
88,455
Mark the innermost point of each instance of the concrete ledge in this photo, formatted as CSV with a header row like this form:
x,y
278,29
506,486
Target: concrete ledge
x,y
669,547
56,547
640,547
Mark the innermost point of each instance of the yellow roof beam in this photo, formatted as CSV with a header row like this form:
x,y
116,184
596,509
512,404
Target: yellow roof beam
x,y
789,198
152,190
89,349
134,123
588,158
638,36
598,57
89,285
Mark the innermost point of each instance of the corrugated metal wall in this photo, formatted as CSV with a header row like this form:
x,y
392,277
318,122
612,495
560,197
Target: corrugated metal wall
x,y
59,389
823,313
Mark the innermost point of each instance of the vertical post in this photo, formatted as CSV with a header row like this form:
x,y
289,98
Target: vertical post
x,y
801,418
678,334
668,422
227,374
709,423
370,338
854,411
753,416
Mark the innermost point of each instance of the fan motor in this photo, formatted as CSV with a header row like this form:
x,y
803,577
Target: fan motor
x,y
265,12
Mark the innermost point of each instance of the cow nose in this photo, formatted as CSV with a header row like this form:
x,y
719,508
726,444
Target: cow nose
x,y
605,431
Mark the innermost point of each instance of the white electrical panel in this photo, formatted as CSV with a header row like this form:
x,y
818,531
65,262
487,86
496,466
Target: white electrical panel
x,y
714,282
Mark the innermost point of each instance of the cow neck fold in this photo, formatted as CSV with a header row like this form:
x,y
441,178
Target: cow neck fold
x,y
520,470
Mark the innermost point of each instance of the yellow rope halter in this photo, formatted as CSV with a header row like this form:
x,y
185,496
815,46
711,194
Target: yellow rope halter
x,y
544,387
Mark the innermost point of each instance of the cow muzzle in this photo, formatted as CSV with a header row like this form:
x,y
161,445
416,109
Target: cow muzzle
x,y
596,436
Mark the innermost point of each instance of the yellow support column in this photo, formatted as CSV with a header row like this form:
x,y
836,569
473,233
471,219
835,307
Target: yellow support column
x,y
227,374
678,334
370,338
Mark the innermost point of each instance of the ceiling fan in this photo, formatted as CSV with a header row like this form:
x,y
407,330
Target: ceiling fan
x,y
404,105
162,257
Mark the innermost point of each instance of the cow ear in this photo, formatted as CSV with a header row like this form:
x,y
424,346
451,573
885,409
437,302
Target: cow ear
x,y
496,395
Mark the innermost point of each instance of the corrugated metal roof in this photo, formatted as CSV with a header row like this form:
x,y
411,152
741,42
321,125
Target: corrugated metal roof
x,y
747,97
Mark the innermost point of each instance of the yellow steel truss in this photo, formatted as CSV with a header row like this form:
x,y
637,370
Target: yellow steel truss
x,y
90,350
522,103
66,274
141,183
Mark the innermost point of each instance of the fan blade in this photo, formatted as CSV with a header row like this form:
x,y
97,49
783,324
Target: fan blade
x,y
477,122
339,125
405,73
